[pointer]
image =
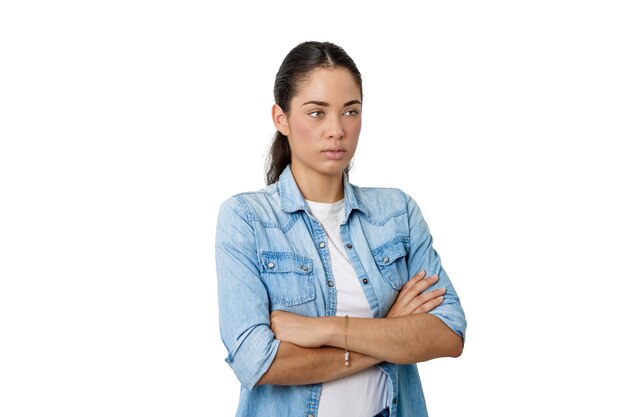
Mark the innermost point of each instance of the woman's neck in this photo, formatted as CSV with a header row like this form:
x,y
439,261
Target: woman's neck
x,y
320,188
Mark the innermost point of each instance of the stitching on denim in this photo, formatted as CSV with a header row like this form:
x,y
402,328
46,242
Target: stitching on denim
x,y
387,270
376,222
309,286
392,242
251,216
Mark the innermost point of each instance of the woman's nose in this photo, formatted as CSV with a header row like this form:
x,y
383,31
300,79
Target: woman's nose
x,y
335,128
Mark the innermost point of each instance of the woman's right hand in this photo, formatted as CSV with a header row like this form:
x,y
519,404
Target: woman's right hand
x,y
413,297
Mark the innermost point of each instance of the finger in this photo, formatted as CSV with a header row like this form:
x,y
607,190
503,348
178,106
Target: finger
x,y
410,284
427,282
420,275
425,297
419,287
414,280
429,306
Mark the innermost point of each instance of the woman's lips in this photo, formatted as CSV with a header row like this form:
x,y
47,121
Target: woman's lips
x,y
334,154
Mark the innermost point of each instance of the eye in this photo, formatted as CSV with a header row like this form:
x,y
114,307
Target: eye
x,y
316,114
352,112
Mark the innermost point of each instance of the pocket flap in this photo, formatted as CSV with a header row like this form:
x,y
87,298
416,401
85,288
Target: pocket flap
x,y
274,262
389,252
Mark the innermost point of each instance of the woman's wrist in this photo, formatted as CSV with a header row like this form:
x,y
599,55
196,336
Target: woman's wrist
x,y
332,331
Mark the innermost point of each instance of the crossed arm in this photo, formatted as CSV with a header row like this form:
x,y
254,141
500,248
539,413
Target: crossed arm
x,y
311,349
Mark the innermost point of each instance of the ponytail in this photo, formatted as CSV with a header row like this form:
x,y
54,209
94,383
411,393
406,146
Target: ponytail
x,y
278,158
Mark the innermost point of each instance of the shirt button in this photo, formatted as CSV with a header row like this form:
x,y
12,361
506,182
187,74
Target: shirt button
x,y
271,265
395,400
305,268
331,284
365,280
322,245
385,259
349,245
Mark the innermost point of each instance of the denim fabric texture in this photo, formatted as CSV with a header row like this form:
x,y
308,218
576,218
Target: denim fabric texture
x,y
384,413
272,255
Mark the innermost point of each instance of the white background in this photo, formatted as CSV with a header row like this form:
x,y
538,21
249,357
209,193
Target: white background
x,y
124,124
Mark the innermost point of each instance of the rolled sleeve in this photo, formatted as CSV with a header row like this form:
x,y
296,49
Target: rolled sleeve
x,y
243,300
423,256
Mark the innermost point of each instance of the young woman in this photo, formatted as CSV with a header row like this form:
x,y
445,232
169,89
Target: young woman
x,y
329,293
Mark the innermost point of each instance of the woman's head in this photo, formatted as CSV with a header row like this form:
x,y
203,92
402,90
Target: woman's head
x,y
318,94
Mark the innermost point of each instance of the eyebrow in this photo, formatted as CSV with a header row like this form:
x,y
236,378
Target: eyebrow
x,y
325,104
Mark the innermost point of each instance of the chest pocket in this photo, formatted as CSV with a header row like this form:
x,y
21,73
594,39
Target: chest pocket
x,y
288,277
391,261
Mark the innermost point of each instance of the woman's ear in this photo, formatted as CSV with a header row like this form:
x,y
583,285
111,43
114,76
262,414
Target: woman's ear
x,y
280,120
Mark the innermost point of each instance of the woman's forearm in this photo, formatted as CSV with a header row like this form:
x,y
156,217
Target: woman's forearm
x,y
407,339
295,365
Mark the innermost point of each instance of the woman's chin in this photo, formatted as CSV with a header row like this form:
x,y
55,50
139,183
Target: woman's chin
x,y
335,168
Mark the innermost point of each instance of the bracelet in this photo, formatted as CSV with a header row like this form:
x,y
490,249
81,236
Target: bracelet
x,y
347,354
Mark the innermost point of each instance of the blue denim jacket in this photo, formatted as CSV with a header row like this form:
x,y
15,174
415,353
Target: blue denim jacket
x,y
272,255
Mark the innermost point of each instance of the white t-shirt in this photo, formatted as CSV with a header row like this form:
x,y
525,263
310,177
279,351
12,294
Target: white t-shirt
x,y
364,393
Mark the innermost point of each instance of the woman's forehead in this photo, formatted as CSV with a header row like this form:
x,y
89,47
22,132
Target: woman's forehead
x,y
328,84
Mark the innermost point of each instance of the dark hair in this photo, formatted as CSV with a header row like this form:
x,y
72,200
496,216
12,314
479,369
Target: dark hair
x,y
296,66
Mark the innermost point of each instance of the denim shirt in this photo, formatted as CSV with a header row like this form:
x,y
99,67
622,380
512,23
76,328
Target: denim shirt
x,y
271,254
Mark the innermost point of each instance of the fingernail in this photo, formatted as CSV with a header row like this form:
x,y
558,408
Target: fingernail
x,y
422,274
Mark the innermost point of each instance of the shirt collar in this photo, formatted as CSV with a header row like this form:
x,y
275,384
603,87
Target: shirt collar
x,y
291,199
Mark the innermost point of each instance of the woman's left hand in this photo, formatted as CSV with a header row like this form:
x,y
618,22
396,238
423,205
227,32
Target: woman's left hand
x,y
296,329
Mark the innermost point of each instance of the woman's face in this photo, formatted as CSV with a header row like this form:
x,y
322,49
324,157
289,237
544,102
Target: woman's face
x,y
324,122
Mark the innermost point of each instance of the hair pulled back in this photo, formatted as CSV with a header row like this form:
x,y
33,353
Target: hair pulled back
x,y
296,66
